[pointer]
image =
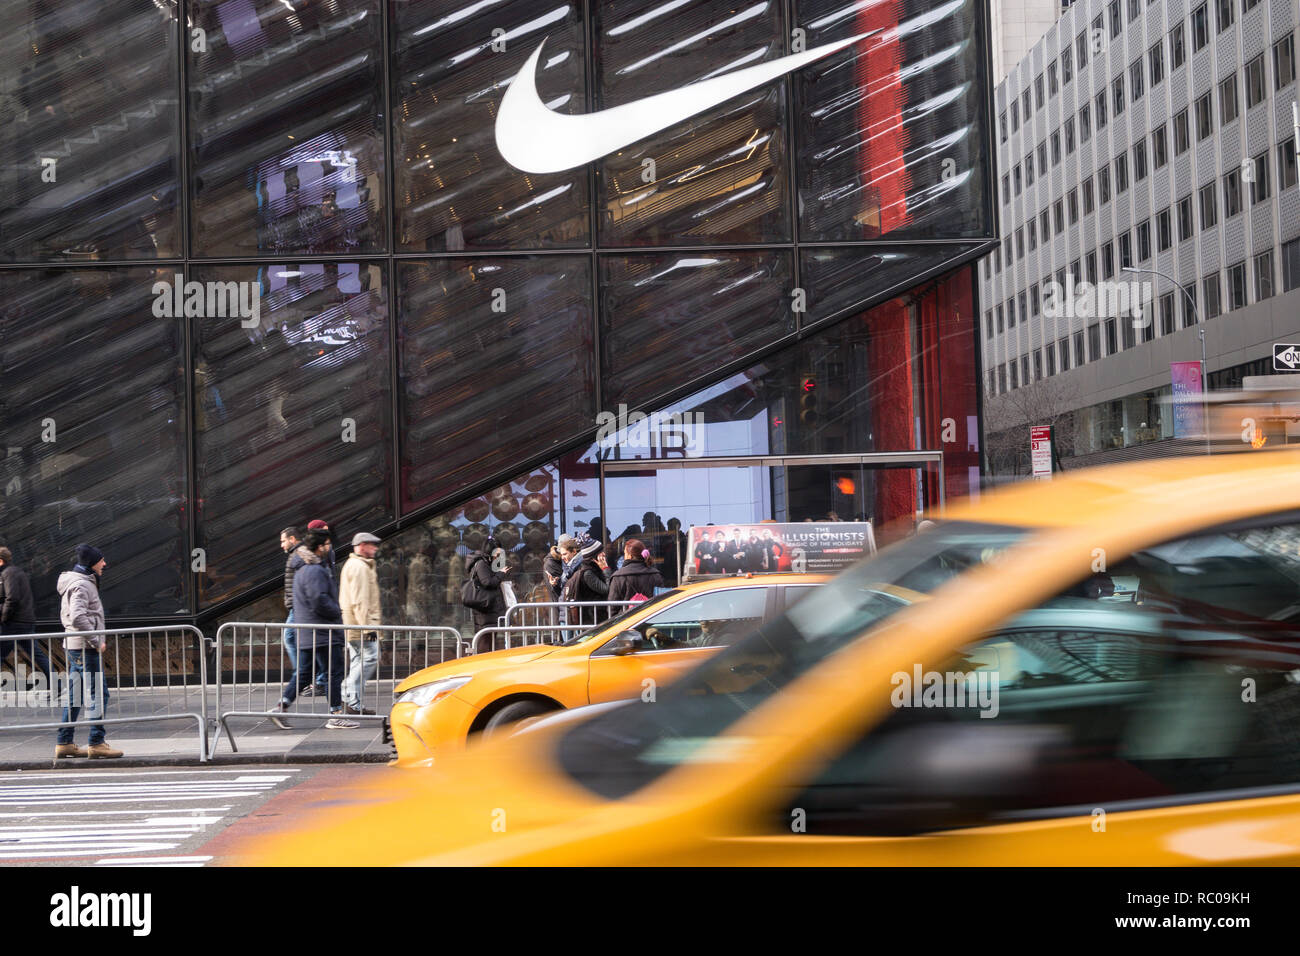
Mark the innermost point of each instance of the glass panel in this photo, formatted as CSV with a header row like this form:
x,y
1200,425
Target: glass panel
x,y
891,132
720,176
454,190
671,317
497,366
846,277
89,132
94,422
286,128
293,414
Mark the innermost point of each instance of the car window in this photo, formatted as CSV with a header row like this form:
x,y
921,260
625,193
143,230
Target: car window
x,y
795,592
714,619
1184,691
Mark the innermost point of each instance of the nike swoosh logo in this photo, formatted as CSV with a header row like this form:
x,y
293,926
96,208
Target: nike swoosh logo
x,y
535,139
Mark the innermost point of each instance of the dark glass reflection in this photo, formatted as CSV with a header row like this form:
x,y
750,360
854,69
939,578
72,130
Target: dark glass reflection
x,y
286,127
292,415
671,317
89,131
720,176
454,191
93,409
847,277
497,366
890,132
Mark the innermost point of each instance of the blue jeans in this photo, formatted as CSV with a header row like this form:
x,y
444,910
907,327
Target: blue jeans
x,y
31,647
325,661
364,664
291,648
86,682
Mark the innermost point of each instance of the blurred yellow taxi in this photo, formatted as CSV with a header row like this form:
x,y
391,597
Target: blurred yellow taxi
x,y
631,655
1107,671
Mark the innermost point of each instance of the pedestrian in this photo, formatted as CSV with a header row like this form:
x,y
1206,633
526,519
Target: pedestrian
x,y
320,648
18,616
552,570
80,609
638,578
487,582
289,542
316,524
359,599
590,582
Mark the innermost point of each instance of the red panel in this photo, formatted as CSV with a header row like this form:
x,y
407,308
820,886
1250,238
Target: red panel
x,y
881,119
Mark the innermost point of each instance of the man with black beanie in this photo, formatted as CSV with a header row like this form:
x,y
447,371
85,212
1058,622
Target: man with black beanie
x,y
81,610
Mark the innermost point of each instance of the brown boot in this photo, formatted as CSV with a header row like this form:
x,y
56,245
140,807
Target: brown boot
x,y
102,750
68,750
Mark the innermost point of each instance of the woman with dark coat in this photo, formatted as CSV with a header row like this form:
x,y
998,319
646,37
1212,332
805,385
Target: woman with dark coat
x,y
636,576
552,569
480,565
591,581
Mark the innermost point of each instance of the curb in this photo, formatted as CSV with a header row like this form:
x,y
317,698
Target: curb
x,y
179,761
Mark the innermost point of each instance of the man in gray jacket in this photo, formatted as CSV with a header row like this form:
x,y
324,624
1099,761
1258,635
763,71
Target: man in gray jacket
x,y
80,609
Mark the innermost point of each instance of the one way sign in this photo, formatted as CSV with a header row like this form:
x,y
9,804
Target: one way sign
x,y
1286,356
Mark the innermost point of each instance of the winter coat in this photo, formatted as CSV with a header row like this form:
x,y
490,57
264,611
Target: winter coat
x,y
634,577
19,607
315,601
489,580
553,567
291,565
587,583
359,594
80,608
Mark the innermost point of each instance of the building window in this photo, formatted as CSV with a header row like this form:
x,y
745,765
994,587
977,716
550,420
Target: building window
x,y
993,383
1001,319
1213,298
1002,127
1056,148
1069,136
1255,81
1006,189
1094,341
1264,276
1033,236
1024,103
1020,243
1284,62
1072,201
1200,28
1117,93
1079,357
1038,364
1237,286
1103,183
1007,243
1204,117
1015,173
1024,370
1160,146
1144,240
1177,47
1045,225
1024,312
1052,83
1134,8
1033,301
1286,171
1127,334
1002,378
1209,207
1164,230
1125,251
1248,5
1232,193
1090,266
1015,374
1108,260
1011,312
1185,224
1085,123
1115,22
1015,115
1042,159
1189,305
1067,66
1228,100
1121,174
1100,102
1140,161
1050,353
1224,13
1075,274
1063,350
1038,91
1182,136
1156,63
988,268
1081,48
1167,313
1058,213
1088,205
1291,265
1135,80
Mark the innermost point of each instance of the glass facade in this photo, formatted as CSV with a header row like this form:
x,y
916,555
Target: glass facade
x,y
263,262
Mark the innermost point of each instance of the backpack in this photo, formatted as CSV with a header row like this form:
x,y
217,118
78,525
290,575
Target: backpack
x,y
472,594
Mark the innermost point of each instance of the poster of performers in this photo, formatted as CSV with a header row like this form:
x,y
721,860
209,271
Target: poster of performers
x,y
803,548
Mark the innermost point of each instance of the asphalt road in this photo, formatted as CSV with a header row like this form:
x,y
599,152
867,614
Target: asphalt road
x,y
186,816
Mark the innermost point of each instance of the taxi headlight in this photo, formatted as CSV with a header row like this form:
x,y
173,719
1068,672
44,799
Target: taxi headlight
x,y
435,691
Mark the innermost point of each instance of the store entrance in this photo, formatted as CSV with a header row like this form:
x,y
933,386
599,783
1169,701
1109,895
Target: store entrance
x,y
657,502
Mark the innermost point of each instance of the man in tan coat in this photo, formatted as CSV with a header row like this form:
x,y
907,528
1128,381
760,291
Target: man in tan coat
x,y
359,600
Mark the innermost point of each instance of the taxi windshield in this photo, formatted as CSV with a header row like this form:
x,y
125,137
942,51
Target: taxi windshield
x,y
583,636
622,751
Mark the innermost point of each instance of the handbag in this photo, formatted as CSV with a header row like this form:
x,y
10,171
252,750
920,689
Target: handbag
x,y
473,595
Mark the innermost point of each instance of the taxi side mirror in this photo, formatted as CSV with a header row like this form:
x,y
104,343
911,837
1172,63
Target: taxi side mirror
x,y
629,642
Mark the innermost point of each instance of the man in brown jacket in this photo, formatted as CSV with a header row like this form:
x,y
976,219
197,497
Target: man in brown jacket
x,y
359,600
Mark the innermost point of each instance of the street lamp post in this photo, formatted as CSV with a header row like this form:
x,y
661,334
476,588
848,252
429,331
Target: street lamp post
x,y
1200,329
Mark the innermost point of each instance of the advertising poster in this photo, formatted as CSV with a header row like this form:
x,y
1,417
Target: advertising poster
x,y
1040,450
801,547
1188,420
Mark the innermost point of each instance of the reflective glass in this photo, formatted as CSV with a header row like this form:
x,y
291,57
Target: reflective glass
x,y
286,127
847,277
890,132
720,176
497,366
89,131
670,317
93,413
292,414
452,64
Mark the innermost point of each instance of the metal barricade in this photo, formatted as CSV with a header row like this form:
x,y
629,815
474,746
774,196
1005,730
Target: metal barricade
x,y
144,675
564,618
255,672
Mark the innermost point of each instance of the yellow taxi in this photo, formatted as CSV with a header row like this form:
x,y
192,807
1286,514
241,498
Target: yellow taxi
x,y
1105,672
634,654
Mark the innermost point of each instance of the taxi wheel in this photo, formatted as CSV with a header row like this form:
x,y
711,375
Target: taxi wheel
x,y
511,713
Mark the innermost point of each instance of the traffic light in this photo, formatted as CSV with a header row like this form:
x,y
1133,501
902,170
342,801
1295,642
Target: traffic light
x,y
809,403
